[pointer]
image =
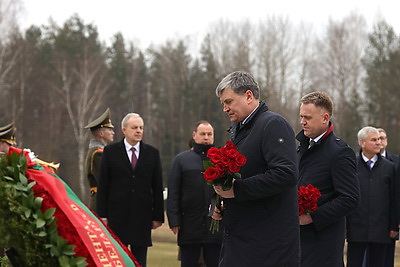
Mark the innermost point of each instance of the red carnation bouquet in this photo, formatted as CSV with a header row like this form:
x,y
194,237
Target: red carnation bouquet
x,y
308,198
223,167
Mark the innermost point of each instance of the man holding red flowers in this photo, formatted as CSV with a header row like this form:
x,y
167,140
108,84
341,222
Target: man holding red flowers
x,y
327,163
260,211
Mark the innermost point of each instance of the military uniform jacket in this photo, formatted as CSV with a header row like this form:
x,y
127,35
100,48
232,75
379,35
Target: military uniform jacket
x,y
93,161
329,165
131,198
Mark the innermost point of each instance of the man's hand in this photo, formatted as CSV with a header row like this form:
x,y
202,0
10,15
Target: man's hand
x,y
156,224
393,234
305,219
175,229
217,214
225,194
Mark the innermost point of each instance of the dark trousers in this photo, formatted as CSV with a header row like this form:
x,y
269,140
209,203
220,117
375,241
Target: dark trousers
x,y
374,254
190,254
140,254
389,261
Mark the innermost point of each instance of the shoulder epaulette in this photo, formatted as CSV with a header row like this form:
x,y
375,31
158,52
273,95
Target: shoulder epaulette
x,y
98,150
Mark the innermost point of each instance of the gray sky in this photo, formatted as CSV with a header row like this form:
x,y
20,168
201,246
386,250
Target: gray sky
x,y
154,21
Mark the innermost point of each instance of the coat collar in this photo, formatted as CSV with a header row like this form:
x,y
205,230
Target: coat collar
x,y
306,140
236,127
142,149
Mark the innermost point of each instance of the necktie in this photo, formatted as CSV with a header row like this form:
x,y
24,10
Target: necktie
x,y
369,163
312,143
133,158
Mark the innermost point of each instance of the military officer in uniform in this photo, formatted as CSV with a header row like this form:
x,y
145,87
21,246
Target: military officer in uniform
x,y
102,134
7,137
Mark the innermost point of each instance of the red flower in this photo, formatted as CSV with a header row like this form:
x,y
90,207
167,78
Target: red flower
x,y
308,199
213,152
240,160
233,167
211,174
230,145
224,166
64,227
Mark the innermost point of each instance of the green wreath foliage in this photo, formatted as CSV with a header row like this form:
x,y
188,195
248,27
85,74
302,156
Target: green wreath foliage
x,y
31,233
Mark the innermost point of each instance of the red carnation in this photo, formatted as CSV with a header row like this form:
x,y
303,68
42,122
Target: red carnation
x,y
308,199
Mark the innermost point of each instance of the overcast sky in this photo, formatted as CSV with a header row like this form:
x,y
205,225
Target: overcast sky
x,y
154,21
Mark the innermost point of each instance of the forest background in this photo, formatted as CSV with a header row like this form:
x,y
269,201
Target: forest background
x,y
54,79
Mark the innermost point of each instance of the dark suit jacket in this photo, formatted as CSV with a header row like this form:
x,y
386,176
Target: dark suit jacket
x,y
396,161
393,158
330,165
261,222
375,216
131,199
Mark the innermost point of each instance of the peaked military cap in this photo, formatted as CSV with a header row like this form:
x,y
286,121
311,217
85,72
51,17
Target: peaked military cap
x,y
7,134
101,122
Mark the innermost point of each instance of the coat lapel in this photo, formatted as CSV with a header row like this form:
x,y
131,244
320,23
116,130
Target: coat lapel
x,y
238,132
123,155
142,155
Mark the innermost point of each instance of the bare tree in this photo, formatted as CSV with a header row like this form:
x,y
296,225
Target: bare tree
x,y
221,34
9,10
243,44
81,79
8,57
276,54
338,67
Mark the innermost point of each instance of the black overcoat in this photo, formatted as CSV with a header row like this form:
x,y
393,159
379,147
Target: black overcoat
x,y
261,222
393,158
330,165
375,217
131,199
189,198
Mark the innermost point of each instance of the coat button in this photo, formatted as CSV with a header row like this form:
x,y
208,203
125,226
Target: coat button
x,y
133,190
133,176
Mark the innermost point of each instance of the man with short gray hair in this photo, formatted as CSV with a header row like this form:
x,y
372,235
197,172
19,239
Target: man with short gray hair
x,y
260,211
130,188
372,225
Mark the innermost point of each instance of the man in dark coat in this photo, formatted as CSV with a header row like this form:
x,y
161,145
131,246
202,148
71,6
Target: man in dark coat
x,y
130,189
390,253
384,152
327,163
260,212
102,134
373,224
189,198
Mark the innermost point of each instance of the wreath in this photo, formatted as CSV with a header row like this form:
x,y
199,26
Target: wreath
x,y
39,230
